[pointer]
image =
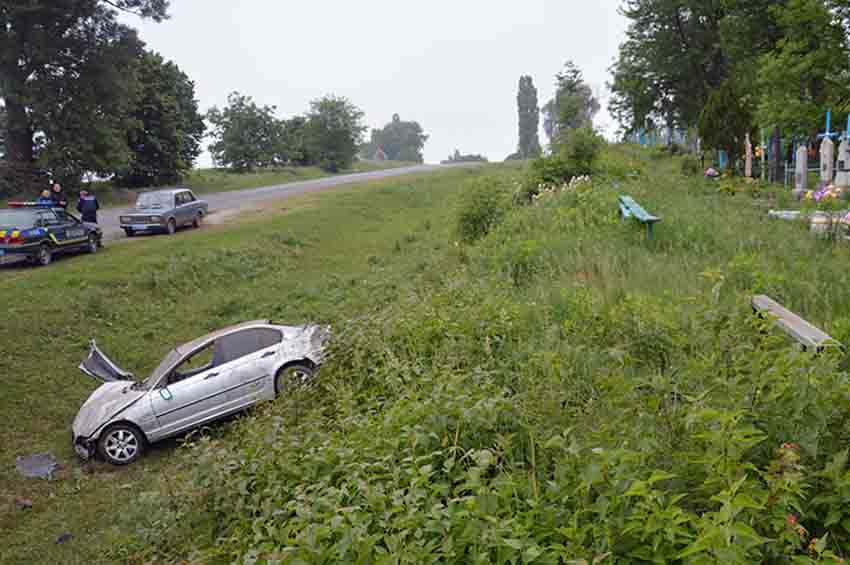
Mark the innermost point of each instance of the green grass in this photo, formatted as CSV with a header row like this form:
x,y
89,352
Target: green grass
x,y
326,257
561,390
219,180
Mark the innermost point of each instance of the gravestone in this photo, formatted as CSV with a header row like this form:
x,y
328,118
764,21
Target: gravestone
x,y
827,156
842,174
801,172
748,164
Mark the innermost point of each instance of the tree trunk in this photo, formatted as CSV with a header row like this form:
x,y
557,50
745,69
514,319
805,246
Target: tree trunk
x,y
775,162
19,153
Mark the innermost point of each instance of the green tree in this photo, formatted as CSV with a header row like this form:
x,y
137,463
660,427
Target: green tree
x,y
400,140
293,145
166,139
246,136
68,82
726,120
529,119
807,72
573,106
334,132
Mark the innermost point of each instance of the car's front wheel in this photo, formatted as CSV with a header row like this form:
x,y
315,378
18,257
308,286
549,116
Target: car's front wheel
x,y
44,256
93,244
129,232
171,227
121,444
293,376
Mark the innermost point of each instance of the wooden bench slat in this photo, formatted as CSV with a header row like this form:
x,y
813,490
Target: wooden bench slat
x,y
637,210
792,324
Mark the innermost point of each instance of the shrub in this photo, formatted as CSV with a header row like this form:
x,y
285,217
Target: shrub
x,y
690,166
581,150
484,206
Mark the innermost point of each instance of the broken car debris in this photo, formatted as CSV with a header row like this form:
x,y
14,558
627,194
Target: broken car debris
x,y
38,466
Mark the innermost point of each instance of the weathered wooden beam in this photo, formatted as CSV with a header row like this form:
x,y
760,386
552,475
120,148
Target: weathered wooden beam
x,y
793,325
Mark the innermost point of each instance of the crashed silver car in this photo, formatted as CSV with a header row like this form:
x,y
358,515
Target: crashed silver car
x,y
198,382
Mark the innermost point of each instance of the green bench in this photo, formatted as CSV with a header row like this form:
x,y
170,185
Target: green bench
x,y
631,209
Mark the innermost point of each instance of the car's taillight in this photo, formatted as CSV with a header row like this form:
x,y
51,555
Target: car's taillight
x,y
14,238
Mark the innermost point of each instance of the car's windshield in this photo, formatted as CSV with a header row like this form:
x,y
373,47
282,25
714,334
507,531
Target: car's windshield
x,y
155,200
17,218
170,359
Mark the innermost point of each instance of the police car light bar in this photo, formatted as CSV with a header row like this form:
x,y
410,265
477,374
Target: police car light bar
x,y
30,204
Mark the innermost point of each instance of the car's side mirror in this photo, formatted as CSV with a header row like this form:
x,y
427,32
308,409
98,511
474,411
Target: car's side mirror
x,y
165,393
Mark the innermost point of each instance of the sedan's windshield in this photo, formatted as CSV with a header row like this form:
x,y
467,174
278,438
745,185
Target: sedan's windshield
x,y
170,359
17,218
155,200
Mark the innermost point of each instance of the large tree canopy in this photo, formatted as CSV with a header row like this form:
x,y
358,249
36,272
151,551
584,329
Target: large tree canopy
x,y
67,81
166,137
246,135
335,130
400,140
573,106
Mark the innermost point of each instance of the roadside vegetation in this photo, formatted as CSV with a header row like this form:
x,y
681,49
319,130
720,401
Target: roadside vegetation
x,y
313,258
552,387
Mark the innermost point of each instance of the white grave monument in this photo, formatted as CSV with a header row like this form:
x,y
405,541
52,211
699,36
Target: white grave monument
x,y
801,171
748,166
827,156
842,174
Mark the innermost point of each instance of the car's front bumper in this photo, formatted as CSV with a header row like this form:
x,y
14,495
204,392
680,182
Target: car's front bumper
x,y
142,227
83,447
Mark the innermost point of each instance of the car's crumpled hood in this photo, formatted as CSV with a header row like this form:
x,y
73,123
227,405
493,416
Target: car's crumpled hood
x,y
103,404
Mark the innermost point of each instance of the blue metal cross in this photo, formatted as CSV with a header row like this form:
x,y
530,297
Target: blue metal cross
x,y
828,122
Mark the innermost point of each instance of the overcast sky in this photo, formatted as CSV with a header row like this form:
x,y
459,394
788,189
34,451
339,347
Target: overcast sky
x,y
453,66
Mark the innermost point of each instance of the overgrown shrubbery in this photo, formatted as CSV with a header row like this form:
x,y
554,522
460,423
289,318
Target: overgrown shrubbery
x,y
576,157
521,410
485,203
690,166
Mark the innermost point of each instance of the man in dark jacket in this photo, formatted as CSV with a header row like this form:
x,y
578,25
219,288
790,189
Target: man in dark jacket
x,y
88,207
58,196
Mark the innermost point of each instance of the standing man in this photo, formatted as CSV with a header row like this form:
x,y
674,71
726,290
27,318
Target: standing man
x,y
88,207
58,196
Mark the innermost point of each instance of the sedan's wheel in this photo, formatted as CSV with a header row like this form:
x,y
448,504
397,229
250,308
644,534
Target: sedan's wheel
x,y
121,444
171,227
45,255
293,376
93,244
199,219
129,232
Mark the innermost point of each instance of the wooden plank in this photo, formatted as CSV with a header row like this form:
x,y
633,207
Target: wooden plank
x,y
792,324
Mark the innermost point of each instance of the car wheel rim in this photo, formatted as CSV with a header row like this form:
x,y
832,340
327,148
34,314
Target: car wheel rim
x,y
297,377
92,245
171,227
122,445
44,256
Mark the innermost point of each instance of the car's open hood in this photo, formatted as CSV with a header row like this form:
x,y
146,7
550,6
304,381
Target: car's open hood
x,y
100,367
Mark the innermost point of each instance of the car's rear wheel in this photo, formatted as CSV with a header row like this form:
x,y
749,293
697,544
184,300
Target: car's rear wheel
x,y
121,444
44,256
198,221
93,243
171,227
293,376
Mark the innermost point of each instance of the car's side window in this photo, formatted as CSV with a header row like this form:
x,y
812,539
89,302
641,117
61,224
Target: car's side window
x,y
47,218
189,197
244,343
182,198
200,361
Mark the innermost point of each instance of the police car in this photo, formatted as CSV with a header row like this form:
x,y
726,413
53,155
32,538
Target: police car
x,y
39,231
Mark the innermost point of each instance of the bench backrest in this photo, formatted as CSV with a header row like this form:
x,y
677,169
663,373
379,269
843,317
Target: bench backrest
x,y
632,208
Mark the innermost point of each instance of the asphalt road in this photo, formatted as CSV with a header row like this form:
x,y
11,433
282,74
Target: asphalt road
x,y
229,203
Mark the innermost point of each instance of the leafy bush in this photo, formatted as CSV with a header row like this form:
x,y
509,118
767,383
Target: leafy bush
x,y
691,166
577,157
485,204
581,150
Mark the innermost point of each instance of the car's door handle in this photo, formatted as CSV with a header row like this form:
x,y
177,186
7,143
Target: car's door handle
x,y
268,354
211,375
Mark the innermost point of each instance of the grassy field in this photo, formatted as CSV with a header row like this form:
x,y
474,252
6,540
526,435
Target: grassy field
x,y
559,390
220,180
320,258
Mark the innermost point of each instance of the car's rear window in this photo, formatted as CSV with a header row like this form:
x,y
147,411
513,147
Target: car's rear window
x,y
17,218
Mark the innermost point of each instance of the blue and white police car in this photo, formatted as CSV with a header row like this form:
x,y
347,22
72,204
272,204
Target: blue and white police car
x,y
40,231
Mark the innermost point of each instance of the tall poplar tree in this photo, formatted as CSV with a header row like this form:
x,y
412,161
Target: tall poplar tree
x,y
529,119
